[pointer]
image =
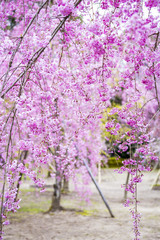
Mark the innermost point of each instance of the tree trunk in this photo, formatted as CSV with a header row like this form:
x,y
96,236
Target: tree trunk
x,y
55,205
48,174
18,185
56,198
65,188
23,156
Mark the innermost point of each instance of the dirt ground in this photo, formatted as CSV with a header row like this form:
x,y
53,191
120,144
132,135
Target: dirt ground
x,y
87,221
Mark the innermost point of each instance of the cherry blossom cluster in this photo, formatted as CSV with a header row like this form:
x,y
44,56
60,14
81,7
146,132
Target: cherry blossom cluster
x,y
62,63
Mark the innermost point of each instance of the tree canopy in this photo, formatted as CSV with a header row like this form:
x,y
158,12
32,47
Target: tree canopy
x,y
61,65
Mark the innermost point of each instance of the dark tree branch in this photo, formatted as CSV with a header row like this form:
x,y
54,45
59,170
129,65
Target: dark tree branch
x,y
20,41
37,54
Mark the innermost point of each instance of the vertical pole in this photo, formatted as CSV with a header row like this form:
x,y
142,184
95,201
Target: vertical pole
x,y
99,172
156,179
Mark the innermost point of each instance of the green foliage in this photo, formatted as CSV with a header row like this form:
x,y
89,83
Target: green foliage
x,y
114,162
115,158
109,117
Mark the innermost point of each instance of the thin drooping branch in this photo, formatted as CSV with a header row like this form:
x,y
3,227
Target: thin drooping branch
x,y
34,18
154,76
13,71
19,43
5,173
156,42
29,65
37,54
153,117
156,89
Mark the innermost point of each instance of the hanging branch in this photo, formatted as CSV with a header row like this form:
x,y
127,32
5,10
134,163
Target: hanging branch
x,y
20,41
37,54
154,76
5,173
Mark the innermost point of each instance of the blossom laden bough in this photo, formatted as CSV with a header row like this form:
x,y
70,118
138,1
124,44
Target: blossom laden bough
x,y
57,82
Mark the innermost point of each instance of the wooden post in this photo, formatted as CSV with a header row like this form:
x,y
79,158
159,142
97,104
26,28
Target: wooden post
x,y
99,173
96,184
